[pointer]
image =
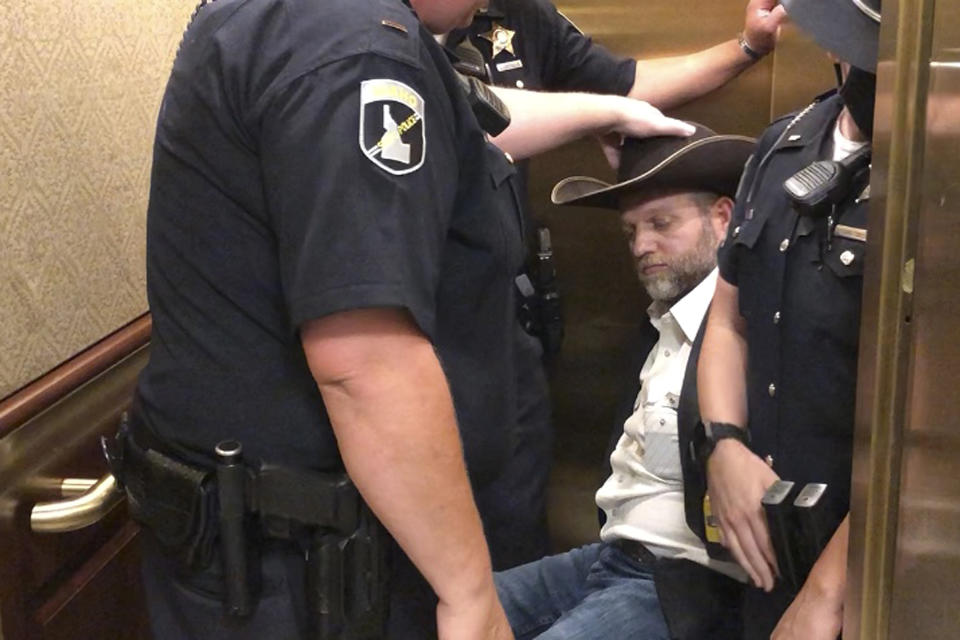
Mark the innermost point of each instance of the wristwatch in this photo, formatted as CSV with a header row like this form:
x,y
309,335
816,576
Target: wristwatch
x,y
714,432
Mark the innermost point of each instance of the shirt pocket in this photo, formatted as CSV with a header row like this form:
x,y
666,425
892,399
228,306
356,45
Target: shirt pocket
x,y
846,256
661,446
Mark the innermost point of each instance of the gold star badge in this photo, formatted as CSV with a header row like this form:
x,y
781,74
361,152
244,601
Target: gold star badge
x,y
501,38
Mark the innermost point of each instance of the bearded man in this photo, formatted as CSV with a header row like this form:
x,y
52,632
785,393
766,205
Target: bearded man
x,y
650,576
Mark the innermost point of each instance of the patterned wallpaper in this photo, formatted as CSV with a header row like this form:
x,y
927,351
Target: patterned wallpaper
x,y
80,85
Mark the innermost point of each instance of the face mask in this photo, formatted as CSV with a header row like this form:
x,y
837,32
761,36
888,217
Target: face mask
x,y
858,94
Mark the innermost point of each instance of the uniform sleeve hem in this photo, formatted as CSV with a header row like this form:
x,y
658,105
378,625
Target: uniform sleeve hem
x,y
628,76
728,273
363,296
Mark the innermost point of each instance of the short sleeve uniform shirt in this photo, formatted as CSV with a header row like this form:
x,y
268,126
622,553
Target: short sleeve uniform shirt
x,y
799,281
530,44
316,156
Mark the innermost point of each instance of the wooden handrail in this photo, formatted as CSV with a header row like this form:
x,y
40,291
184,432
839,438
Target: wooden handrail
x,y
30,400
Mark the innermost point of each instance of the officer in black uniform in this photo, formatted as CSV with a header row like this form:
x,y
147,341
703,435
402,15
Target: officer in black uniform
x,y
529,44
325,212
780,352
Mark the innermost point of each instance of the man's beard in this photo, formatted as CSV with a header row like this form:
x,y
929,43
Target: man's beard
x,y
682,273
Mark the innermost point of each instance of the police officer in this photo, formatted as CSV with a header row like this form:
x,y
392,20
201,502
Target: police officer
x,y
530,44
331,244
780,353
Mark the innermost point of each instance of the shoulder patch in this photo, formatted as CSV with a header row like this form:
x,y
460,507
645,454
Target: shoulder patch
x,y
393,132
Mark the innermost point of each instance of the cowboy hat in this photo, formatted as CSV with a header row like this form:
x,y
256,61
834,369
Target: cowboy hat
x,y
705,161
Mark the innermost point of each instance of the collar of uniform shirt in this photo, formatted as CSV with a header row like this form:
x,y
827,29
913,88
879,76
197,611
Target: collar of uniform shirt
x,y
689,310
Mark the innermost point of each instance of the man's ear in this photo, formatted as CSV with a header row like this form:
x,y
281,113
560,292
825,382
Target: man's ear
x,y
720,213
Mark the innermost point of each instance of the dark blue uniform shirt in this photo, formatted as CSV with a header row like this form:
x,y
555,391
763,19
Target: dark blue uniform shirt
x,y
799,290
546,51
314,157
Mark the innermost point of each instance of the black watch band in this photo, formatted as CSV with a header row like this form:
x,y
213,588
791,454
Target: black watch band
x,y
714,432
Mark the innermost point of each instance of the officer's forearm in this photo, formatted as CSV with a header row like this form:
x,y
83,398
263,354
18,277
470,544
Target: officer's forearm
x,y
542,121
722,367
391,411
670,82
828,578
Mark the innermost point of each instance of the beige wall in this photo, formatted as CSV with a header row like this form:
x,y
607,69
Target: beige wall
x,y
80,84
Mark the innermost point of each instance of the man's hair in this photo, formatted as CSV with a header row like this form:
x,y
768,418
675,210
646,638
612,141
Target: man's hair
x,y
704,200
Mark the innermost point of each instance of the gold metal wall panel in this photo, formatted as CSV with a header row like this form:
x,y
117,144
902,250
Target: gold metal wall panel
x,y
80,84
926,588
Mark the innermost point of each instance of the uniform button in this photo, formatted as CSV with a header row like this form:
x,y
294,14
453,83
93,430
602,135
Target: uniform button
x,y
666,353
508,157
772,390
784,245
846,258
776,317
662,422
736,231
519,84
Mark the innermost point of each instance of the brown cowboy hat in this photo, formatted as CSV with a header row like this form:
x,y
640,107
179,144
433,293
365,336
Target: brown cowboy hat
x,y
705,161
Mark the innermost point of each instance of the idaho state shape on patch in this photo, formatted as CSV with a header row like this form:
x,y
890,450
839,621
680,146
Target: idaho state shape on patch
x,y
392,127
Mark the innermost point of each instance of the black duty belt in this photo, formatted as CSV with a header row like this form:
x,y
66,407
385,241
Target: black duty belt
x,y
636,550
194,505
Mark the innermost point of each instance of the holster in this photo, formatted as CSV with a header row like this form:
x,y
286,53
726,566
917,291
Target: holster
x,y
698,602
342,541
175,501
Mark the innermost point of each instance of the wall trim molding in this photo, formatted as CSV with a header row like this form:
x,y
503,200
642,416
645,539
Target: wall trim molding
x,y
30,400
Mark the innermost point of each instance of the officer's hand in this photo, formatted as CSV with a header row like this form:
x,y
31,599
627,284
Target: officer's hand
x,y
736,481
813,615
640,119
762,25
478,618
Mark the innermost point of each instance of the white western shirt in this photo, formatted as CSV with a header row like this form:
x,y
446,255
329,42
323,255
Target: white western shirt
x,y
643,497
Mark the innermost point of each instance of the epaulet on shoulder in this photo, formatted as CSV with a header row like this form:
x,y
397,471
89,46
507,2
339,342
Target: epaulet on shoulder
x,y
395,31
788,119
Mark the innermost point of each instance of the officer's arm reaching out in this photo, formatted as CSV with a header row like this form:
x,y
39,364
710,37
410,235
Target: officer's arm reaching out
x,y
736,477
670,82
542,121
393,417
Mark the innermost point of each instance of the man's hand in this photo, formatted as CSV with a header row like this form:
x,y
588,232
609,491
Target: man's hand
x,y
762,25
736,482
480,618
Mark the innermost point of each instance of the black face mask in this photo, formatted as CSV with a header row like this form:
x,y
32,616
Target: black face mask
x,y
858,94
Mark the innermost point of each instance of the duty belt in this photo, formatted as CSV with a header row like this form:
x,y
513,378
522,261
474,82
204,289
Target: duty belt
x,y
193,508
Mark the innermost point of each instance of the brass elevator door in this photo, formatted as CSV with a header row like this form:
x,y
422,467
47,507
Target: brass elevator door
x,y
905,513
926,574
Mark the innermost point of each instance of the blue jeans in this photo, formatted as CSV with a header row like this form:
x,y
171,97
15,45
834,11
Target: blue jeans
x,y
594,592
